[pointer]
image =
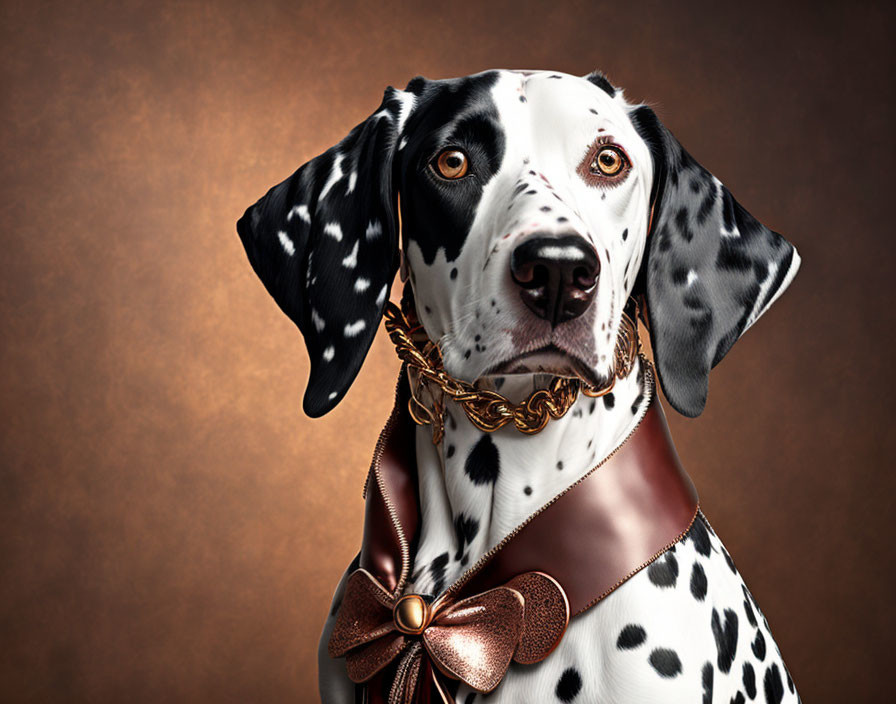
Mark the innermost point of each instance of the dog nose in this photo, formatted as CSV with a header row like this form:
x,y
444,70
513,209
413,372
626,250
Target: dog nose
x,y
557,276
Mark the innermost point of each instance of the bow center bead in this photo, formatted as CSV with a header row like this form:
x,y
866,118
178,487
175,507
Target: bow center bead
x,y
411,614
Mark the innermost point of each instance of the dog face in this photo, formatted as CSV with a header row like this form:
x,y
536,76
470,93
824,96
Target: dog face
x,y
522,256
533,204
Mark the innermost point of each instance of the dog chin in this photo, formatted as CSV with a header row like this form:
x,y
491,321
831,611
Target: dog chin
x,y
547,361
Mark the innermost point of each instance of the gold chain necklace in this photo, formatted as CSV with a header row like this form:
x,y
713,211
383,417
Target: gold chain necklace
x,y
489,410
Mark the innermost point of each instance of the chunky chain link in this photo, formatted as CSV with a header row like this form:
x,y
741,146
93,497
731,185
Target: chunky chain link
x,y
489,410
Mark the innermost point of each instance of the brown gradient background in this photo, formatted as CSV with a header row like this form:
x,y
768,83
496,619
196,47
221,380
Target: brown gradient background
x,y
171,525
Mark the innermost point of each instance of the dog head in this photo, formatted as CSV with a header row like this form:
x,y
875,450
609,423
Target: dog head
x,y
533,204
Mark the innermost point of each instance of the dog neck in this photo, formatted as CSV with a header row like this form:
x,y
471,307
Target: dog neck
x,y
476,487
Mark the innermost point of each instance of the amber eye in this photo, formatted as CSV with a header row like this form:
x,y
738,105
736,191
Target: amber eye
x,y
452,164
609,161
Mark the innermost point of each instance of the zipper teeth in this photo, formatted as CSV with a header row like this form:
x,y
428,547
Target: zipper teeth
x,y
390,507
649,393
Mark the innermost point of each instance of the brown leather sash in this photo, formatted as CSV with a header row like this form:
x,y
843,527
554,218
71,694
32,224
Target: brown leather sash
x,y
594,536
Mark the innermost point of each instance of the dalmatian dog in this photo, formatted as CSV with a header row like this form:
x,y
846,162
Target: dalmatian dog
x,y
532,205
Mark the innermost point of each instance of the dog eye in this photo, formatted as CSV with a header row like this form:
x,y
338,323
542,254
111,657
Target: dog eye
x,y
451,164
609,161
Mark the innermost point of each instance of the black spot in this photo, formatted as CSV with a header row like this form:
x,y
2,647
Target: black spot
x,y
738,698
729,560
483,463
707,683
771,683
545,208
681,222
726,638
465,529
698,582
748,610
630,637
691,300
680,276
450,451
758,645
454,273
700,537
569,685
437,571
560,465
467,354
789,679
666,662
727,209
531,192
664,573
522,98
598,79
562,219
732,256
637,403
750,680
528,491
591,406
609,401
592,110
706,205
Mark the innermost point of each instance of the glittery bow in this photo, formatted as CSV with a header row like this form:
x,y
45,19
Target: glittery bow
x,y
472,640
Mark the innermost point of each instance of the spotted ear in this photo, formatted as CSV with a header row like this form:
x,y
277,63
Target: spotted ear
x,y
324,243
710,268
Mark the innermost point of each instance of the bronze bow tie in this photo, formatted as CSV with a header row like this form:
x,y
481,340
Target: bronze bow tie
x,y
472,640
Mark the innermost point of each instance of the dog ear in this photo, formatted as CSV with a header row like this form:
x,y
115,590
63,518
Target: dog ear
x,y
325,244
710,268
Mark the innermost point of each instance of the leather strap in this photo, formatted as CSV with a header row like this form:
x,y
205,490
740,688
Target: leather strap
x,y
604,529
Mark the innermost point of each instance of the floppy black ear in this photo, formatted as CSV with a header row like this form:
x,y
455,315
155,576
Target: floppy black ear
x,y
710,268
324,243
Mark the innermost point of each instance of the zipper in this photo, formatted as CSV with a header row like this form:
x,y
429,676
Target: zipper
x,y
374,470
650,390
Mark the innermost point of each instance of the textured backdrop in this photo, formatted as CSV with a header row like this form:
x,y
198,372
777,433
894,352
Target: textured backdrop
x,y
172,527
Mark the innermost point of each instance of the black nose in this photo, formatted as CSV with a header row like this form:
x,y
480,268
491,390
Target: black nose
x,y
557,275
